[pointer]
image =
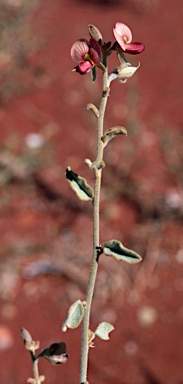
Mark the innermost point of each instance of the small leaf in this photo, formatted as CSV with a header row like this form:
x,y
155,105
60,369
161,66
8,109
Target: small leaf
x,y
93,108
112,132
89,163
42,378
103,330
116,249
31,381
75,315
55,353
79,185
91,337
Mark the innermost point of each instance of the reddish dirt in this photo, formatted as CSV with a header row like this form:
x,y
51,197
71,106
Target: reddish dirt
x,y
45,232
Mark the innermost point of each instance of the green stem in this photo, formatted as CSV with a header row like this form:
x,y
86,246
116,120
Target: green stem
x,y
96,233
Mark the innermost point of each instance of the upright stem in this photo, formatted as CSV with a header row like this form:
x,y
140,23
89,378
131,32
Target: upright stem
x,y
36,372
35,368
96,233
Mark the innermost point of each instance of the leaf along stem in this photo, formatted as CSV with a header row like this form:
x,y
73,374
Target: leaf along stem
x,y
96,231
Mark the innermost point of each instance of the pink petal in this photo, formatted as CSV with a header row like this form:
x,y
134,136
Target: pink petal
x,y
95,51
122,34
84,67
79,49
134,48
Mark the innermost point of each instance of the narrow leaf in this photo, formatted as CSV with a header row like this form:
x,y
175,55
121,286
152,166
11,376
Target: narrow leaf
x,y
93,108
103,330
55,353
116,249
112,132
75,315
93,74
79,185
89,163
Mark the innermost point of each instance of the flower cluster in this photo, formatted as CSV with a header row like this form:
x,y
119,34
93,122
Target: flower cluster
x,y
93,53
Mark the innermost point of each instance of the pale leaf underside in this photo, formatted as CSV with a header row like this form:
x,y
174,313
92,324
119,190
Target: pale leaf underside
x,y
117,250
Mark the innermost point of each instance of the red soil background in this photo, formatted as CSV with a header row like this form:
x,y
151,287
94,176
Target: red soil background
x,y
45,232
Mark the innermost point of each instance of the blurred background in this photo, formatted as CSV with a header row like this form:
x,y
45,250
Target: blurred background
x,y
45,231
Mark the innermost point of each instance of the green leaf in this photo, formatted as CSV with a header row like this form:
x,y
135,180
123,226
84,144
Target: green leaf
x,y
103,330
75,315
116,249
112,132
79,185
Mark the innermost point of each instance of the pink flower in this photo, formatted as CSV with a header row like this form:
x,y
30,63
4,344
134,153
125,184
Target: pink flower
x,y
123,36
86,54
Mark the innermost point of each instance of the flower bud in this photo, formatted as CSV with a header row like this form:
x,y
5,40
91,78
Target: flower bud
x,y
95,33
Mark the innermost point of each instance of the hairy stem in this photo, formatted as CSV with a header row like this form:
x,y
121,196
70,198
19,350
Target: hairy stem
x,y
36,372
35,368
96,232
